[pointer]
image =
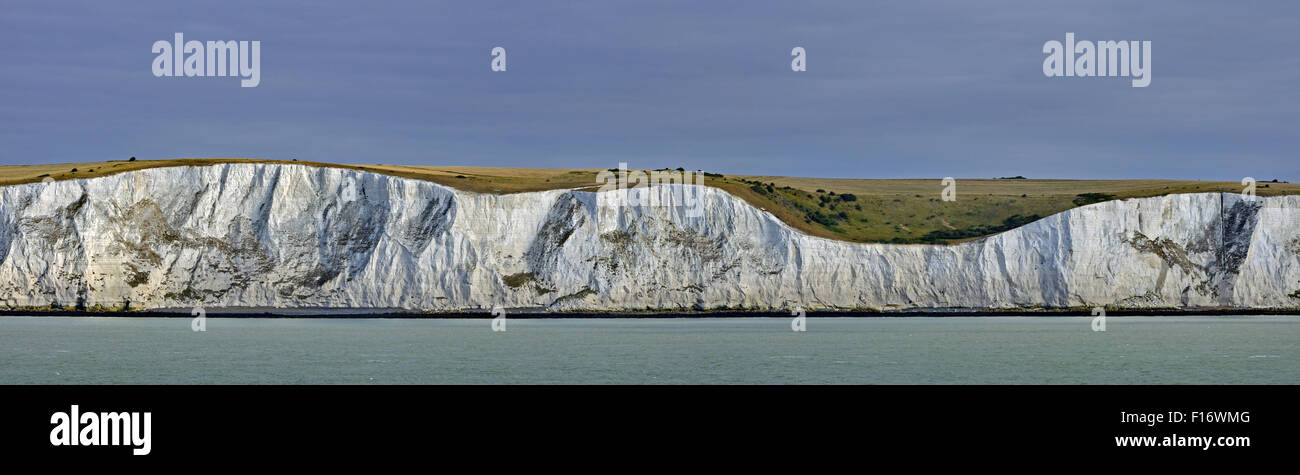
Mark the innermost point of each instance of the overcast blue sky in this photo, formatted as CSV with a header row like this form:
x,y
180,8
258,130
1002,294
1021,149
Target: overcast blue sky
x,y
893,89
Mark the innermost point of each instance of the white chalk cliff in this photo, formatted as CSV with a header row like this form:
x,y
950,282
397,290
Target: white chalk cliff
x,y
249,235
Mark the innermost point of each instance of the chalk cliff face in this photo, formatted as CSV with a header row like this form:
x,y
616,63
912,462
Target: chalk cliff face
x,y
248,235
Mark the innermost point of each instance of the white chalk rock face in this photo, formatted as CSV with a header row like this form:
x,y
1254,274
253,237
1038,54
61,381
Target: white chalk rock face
x,y
289,236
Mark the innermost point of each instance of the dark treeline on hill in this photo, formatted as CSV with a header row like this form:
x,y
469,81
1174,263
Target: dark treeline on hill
x,y
1015,221
1090,198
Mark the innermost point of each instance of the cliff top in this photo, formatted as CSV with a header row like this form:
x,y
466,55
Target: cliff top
x,y
857,210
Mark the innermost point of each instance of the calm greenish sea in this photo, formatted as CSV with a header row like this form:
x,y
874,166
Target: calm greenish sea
x,y
997,350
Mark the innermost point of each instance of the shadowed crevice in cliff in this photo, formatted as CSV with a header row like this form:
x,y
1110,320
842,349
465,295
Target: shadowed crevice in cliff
x,y
620,257
1052,266
1172,256
698,253
7,232
1170,252
433,220
566,215
692,244
1239,218
141,242
58,233
349,230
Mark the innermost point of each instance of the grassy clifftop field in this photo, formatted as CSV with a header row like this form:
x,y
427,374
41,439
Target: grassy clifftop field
x,y
900,211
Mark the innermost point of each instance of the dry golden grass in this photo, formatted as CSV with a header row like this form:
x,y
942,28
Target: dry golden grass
x,y
897,211
492,179
479,179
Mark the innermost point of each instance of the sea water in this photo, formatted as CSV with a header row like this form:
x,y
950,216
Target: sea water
x,y
881,350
